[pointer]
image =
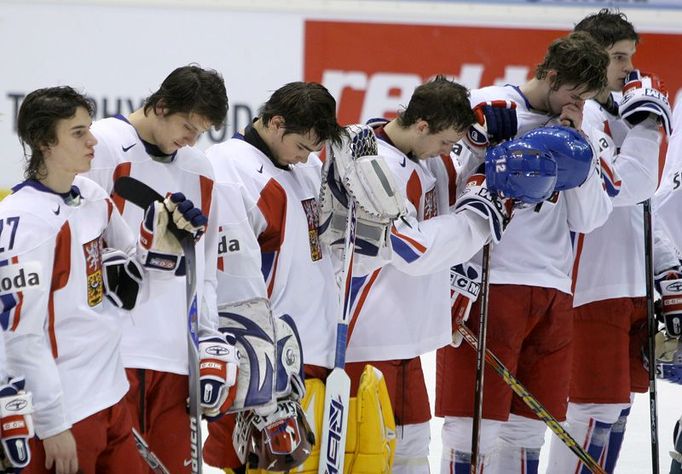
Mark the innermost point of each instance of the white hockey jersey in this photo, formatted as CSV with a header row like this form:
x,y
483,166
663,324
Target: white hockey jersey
x,y
62,334
156,336
402,310
609,261
296,271
536,249
668,199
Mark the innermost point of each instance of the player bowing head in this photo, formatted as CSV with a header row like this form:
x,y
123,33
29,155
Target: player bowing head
x,y
297,120
437,116
188,103
573,70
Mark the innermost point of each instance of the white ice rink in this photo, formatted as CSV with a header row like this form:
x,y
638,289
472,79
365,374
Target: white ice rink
x,y
636,453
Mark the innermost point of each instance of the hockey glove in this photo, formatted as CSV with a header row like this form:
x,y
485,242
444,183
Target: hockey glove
x,y
122,278
495,122
668,358
353,170
670,287
185,216
158,248
16,425
465,285
217,375
643,95
477,198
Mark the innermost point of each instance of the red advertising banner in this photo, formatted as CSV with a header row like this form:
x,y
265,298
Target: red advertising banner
x,y
372,68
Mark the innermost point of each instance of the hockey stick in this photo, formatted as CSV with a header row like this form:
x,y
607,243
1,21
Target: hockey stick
x,y
148,455
533,403
652,327
337,386
142,195
480,361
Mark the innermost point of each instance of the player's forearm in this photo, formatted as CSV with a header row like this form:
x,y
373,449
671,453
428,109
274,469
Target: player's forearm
x,y
588,206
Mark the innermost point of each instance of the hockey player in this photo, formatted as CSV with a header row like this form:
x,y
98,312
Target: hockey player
x,y
62,332
276,259
530,314
385,330
608,279
155,144
667,242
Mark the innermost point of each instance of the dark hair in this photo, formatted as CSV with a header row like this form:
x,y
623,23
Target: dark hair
x,y
37,122
441,103
578,60
608,27
191,89
305,107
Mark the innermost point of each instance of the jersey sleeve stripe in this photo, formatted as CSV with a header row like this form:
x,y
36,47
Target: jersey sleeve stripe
x,y
60,277
362,286
452,178
578,250
206,185
122,169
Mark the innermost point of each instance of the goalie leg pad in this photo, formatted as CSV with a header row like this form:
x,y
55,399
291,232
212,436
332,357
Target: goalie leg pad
x,y
313,407
371,439
252,325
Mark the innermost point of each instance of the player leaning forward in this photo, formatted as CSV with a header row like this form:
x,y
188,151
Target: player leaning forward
x,y
530,312
64,335
155,144
609,280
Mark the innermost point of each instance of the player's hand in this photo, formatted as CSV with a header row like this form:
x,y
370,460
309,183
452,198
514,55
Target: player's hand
x,y
16,425
185,215
670,287
60,451
495,122
572,116
645,95
218,369
465,285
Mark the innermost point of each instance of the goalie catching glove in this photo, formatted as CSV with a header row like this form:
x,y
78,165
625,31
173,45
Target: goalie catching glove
x,y
159,247
16,425
643,95
217,375
465,285
353,170
495,122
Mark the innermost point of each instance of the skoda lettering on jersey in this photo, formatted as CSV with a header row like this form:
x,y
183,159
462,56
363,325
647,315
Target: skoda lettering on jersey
x,y
20,277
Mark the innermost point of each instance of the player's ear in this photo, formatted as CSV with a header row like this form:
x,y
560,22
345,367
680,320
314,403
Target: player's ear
x,y
422,127
160,108
277,122
552,78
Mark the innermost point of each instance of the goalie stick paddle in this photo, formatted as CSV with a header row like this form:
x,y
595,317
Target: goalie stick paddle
x,y
533,403
337,389
142,195
148,455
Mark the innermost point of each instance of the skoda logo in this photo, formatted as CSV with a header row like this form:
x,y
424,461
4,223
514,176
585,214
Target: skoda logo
x,y
16,405
677,286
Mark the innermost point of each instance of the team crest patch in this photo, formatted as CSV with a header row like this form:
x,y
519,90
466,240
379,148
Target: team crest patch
x,y
313,216
430,204
93,271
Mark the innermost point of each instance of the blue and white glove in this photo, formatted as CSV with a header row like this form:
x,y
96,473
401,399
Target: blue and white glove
x,y
669,285
16,425
495,122
218,367
644,94
465,285
158,246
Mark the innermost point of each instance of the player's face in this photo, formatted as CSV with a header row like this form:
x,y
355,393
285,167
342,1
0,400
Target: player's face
x,y
75,147
567,95
174,131
620,64
292,148
429,145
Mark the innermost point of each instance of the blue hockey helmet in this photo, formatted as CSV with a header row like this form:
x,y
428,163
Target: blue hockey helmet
x,y
569,148
518,169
